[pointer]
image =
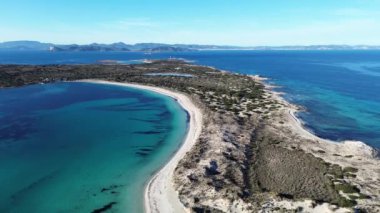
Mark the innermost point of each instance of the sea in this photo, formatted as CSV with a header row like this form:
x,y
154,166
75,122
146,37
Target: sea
x,y
100,143
83,147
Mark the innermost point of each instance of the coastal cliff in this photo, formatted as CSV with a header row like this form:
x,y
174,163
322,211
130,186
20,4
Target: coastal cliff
x,y
252,154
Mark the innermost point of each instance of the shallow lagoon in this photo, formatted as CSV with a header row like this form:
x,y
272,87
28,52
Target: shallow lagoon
x,y
78,147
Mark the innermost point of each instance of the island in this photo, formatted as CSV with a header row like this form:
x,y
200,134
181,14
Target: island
x,y
246,151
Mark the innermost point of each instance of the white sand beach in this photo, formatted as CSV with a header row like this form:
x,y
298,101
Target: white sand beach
x,y
160,195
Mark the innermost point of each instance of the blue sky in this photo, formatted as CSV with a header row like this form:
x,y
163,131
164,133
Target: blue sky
x,y
239,22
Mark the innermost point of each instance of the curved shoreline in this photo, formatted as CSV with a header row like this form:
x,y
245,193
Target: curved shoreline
x,y
297,124
159,193
351,147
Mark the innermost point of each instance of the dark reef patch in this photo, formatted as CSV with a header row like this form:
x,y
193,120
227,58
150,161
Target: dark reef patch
x,y
16,127
142,153
104,208
147,132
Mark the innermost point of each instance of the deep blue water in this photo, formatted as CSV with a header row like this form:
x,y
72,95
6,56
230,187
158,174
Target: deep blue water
x,y
76,147
340,90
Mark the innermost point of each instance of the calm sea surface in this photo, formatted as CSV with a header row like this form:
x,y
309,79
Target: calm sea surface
x,y
78,147
340,90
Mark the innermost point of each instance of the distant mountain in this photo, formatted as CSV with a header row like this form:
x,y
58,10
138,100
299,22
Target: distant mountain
x,y
120,46
24,45
167,49
92,47
147,46
319,47
160,47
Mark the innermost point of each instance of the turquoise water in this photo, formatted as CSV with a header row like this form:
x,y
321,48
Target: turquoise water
x,y
78,147
338,89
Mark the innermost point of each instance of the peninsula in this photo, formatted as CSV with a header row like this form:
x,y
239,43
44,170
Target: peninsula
x,y
246,151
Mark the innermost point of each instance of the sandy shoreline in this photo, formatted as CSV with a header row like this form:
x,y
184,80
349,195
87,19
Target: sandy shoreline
x,y
357,147
159,193
344,153
350,147
161,196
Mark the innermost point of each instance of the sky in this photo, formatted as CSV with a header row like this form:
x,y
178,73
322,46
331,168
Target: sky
x,y
221,22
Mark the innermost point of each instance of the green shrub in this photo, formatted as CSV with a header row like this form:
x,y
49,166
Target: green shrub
x,y
350,169
347,188
344,202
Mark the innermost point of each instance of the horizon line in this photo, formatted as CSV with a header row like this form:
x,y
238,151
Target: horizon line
x,y
228,45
